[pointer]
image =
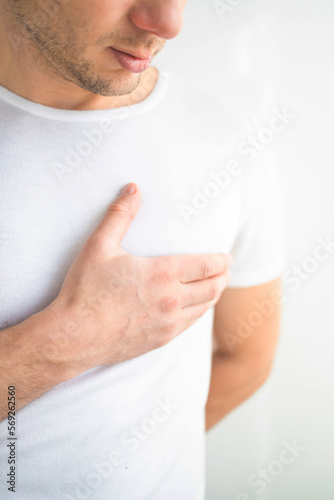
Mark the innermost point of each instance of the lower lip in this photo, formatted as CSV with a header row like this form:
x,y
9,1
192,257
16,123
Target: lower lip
x,y
130,63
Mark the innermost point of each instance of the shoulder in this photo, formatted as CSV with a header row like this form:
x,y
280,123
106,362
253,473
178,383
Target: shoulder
x,y
215,122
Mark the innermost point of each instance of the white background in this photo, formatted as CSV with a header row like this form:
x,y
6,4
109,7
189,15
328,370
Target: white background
x,y
265,54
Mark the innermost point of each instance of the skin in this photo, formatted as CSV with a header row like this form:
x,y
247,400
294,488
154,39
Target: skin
x,y
62,59
238,371
155,299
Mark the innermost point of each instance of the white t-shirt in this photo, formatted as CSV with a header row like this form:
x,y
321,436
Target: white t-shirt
x,y
136,429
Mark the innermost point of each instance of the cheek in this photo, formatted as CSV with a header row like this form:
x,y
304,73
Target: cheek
x,y
99,16
94,25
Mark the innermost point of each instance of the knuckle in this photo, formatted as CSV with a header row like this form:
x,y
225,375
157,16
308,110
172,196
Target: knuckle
x,y
168,304
206,268
164,276
161,277
119,207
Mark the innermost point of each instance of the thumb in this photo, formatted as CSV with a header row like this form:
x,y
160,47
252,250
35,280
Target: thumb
x,y
119,215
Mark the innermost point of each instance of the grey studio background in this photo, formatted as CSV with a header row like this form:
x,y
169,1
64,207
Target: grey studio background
x,y
268,54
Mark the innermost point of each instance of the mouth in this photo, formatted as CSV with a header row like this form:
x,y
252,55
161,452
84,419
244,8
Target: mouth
x,y
137,55
134,63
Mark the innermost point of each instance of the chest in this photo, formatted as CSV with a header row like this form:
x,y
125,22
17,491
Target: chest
x,y
45,219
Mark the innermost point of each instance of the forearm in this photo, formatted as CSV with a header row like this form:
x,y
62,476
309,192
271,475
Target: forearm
x,y
232,382
32,360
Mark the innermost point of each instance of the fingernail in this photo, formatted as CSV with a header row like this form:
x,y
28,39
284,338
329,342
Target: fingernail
x,y
128,188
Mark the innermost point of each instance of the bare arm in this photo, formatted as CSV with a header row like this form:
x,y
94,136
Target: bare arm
x,y
52,345
112,307
28,360
244,354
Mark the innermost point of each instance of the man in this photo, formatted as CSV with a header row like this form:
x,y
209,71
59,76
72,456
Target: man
x,y
107,301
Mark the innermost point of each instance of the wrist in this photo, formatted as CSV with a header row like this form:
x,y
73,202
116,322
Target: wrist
x,y
55,343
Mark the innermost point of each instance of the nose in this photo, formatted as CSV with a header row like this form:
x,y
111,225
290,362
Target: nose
x,y
161,17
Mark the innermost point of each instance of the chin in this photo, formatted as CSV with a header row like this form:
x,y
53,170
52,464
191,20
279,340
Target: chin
x,y
122,82
115,83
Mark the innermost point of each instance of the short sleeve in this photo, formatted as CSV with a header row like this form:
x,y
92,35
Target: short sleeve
x,y
259,248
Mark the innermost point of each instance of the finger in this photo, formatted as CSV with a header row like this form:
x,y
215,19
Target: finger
x,y
191,314
117,219
193,267
199,292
